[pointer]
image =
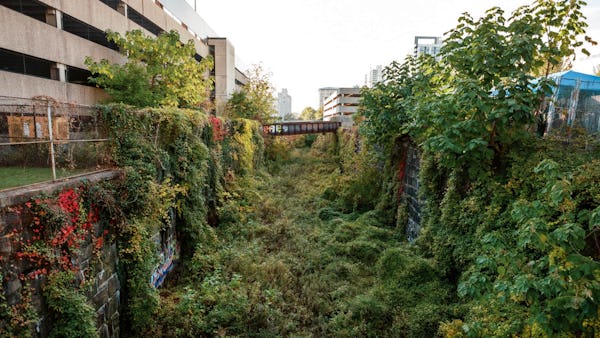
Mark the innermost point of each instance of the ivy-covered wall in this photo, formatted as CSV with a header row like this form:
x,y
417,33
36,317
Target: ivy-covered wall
x,y
58,263
86,260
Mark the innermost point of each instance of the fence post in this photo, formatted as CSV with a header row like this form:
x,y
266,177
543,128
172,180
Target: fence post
x,y
50,136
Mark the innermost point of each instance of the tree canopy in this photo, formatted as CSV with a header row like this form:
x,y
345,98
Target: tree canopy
x,y
507,217
256,99
310,113
159,71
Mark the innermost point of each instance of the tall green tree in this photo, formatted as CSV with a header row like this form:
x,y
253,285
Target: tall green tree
x,y
256,100
509,231
310,113
159,71
484,92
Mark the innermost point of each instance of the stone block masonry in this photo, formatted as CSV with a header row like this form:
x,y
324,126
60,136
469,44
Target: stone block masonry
x,y
96,264
411,193
96,267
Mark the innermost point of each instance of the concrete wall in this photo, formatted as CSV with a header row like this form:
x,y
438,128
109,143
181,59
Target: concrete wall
x,y
29,36
104,290
97,268
225,71
28,86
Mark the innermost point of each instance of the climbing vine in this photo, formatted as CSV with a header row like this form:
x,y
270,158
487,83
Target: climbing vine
x,y
176,164
49,248
508,218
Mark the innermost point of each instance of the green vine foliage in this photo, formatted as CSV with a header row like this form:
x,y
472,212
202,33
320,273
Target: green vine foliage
x,y
510,220
175,161
17,320
72,316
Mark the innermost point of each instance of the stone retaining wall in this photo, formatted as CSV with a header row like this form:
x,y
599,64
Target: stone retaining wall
x,y
97,267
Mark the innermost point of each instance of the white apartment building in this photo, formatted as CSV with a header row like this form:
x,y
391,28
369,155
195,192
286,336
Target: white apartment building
x,y
429,45
284,104
374,76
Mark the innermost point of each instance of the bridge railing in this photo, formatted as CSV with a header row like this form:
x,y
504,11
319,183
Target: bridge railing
x,y
300,127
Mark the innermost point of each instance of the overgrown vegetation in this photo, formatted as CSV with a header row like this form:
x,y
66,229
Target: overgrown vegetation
x,y
297,253
509,219
159,71
315,245
256,99
174,160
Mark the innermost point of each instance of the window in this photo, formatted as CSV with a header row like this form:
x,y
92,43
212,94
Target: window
x,y
114,4
88,32
141,20
78,76
25,64
31,8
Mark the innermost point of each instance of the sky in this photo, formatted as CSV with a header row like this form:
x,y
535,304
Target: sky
x,y
309,44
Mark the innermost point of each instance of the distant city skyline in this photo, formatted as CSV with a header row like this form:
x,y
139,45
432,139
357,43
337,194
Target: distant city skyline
x,y
312,44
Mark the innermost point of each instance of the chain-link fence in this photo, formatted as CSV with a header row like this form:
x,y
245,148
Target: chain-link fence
x,y
575,104
42,139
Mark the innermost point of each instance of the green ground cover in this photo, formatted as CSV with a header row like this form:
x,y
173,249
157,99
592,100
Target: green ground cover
x,y
11,177
291,258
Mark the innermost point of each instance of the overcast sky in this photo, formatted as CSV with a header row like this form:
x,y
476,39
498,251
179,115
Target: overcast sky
x,y
309,44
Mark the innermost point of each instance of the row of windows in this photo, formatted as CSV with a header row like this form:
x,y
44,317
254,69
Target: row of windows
x,y
141,20
14,62
21,63
88,32
40,11
31,8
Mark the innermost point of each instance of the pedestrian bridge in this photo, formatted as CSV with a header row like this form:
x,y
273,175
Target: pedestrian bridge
x,y
300,127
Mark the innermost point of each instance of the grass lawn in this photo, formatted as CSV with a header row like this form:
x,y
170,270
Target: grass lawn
x,y
11,177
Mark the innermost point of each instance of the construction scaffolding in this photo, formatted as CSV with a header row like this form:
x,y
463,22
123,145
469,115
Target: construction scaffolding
x,y
575,103
43,133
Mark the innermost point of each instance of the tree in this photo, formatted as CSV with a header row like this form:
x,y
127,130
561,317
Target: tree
x,y
485,91
511,234
309,113
159,71
256,100
289,117
240,106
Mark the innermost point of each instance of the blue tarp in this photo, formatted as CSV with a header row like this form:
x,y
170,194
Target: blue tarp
x,y
570,78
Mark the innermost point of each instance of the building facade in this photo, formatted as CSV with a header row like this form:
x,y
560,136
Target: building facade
x,y
341,105
43,44
284,104
324,93
428,45
374,76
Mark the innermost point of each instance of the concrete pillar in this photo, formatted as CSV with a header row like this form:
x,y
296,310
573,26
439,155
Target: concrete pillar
x,y
59,72
122,8
54,18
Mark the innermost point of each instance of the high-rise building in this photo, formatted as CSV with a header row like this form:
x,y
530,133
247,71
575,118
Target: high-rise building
x,y
429,45
284,104
43,44
374,76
